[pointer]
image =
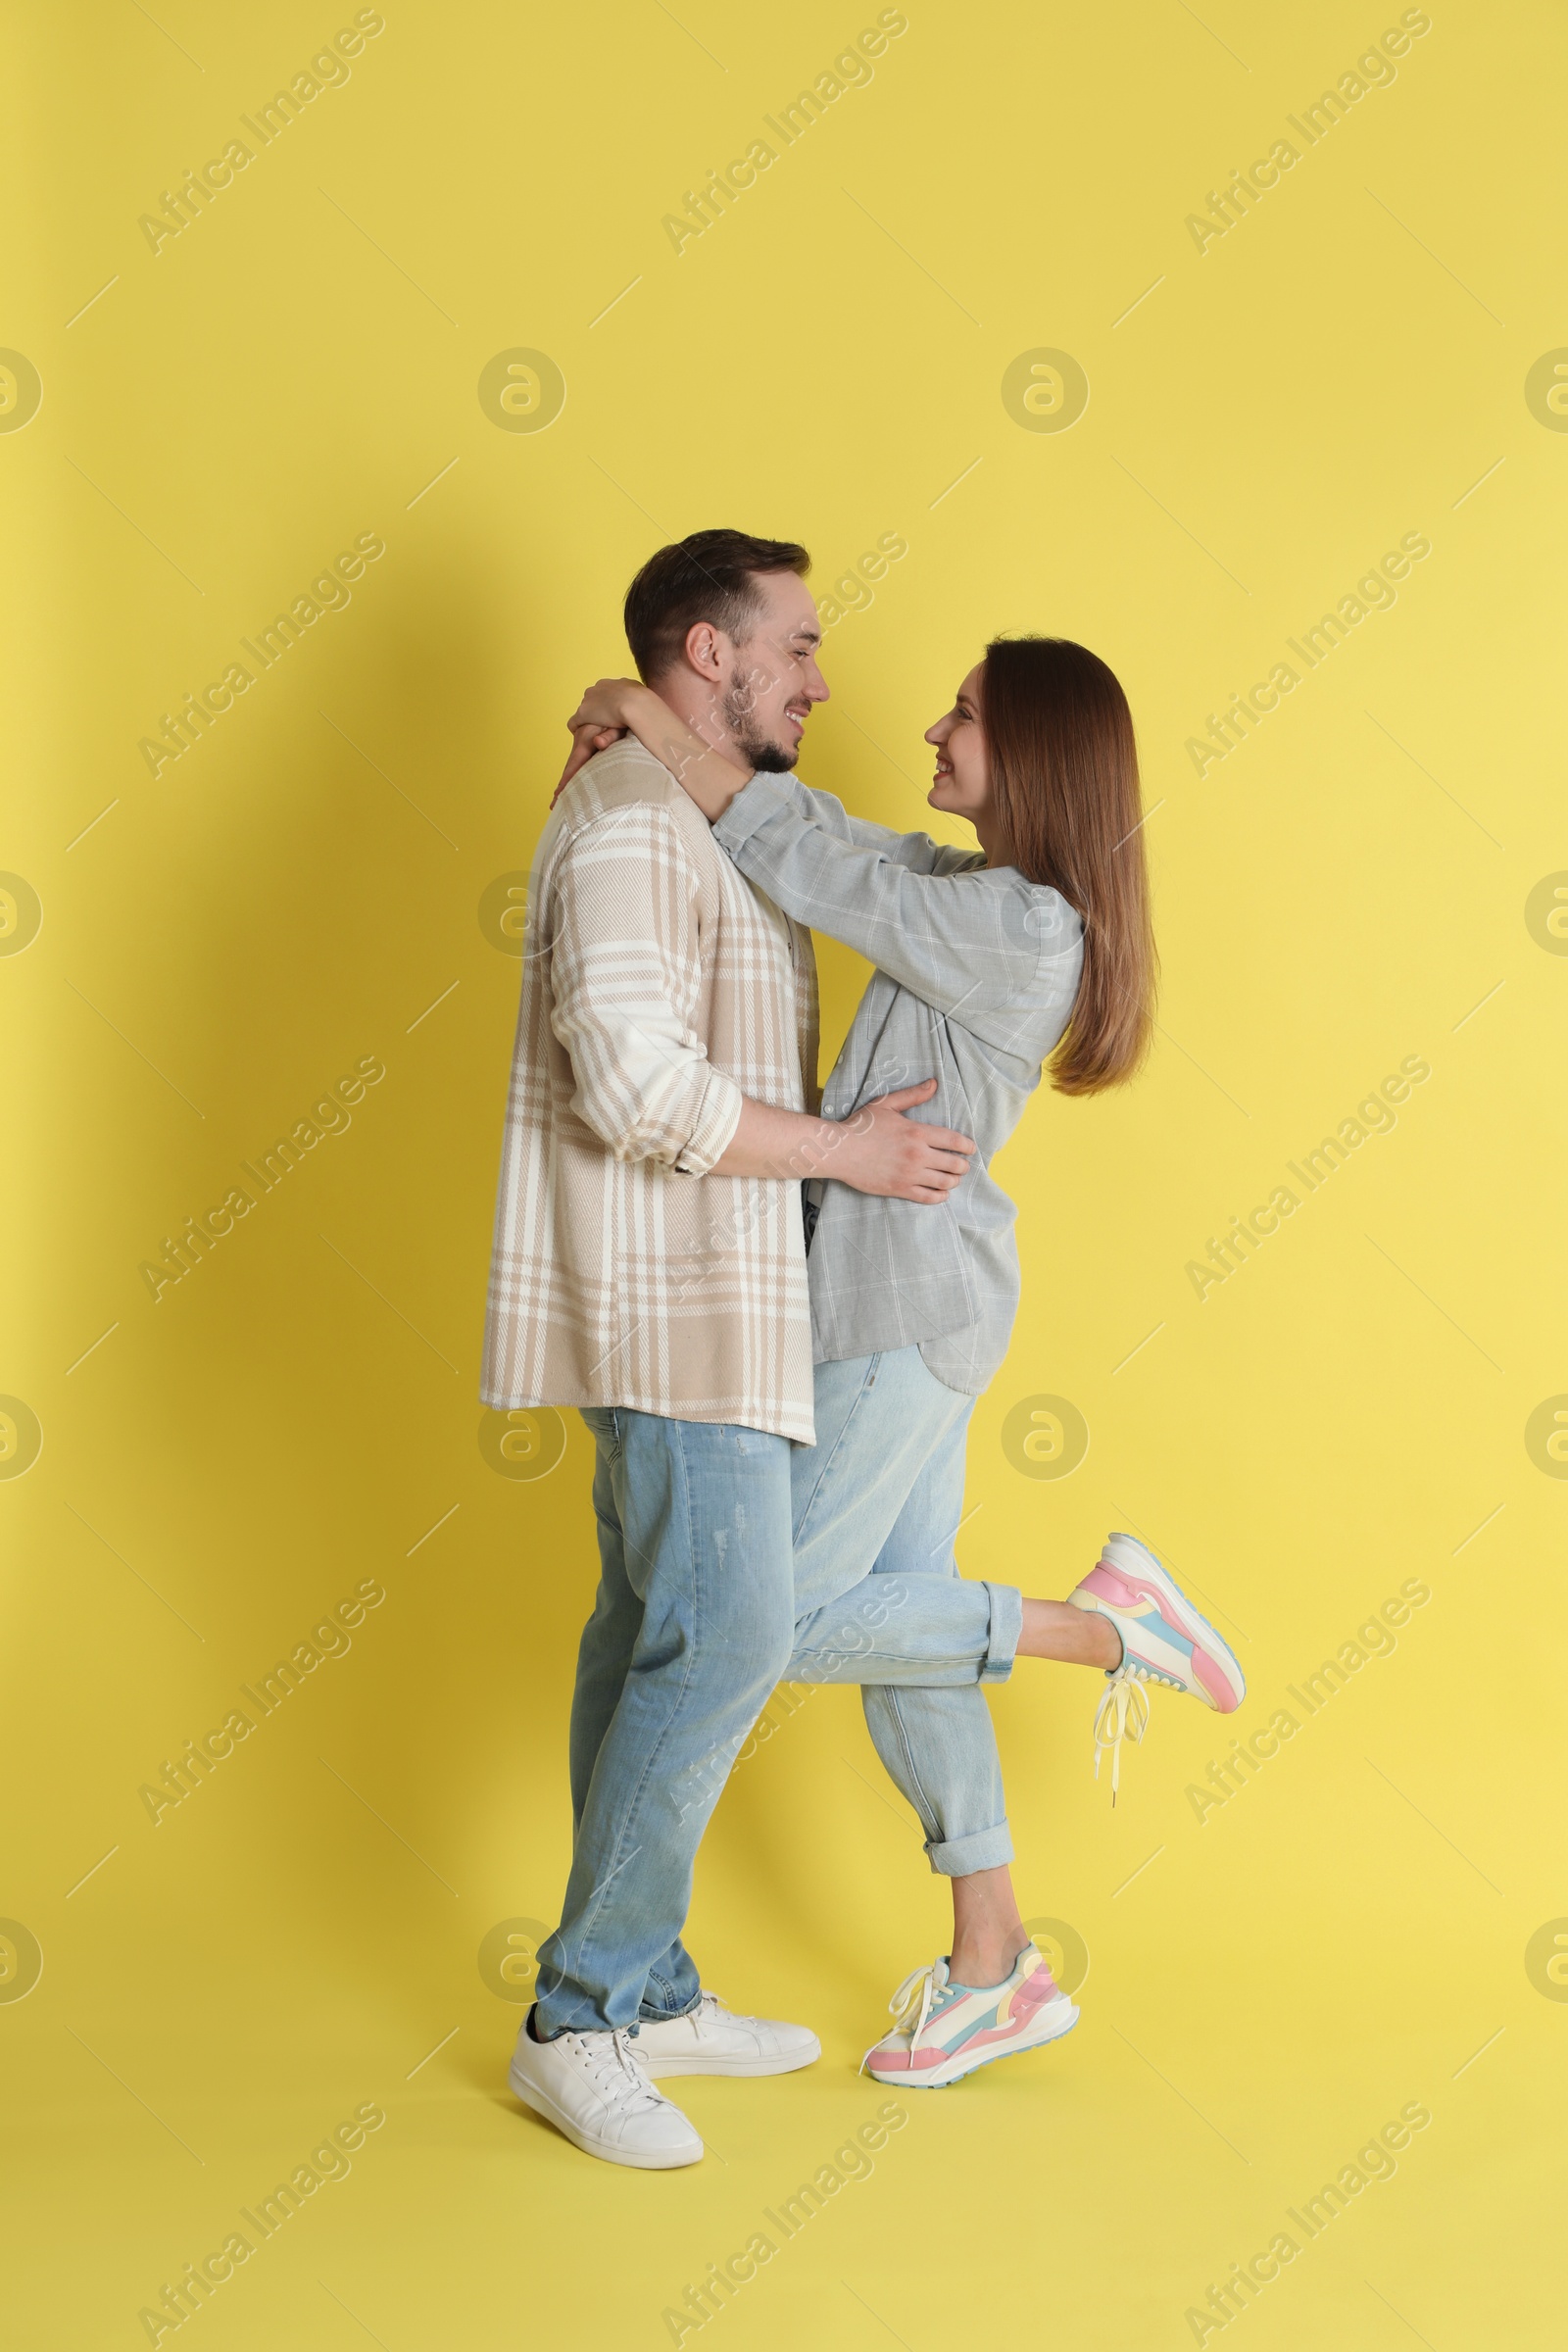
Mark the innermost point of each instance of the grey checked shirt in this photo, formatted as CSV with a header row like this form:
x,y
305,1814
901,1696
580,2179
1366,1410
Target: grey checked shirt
x,y
977,970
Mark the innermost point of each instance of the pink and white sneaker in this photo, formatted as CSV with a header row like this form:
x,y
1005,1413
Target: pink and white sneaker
x,y
1163,1639
945,2030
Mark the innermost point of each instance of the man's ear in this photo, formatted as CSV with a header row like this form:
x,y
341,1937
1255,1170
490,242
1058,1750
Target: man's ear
x,y
705,650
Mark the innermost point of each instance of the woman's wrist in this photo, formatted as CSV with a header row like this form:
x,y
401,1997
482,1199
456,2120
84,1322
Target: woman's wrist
x,y
711,774
640,708
660,730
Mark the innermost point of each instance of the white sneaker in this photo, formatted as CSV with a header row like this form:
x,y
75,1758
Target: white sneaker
x,y
592,2090
711,2039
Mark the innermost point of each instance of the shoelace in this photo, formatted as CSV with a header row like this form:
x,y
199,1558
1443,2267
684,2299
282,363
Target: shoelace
x,y
706,2012
615,2072
707,2009
1122,1714
914,1998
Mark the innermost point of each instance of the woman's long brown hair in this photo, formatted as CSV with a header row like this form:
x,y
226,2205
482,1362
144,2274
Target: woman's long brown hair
x,y
1064,765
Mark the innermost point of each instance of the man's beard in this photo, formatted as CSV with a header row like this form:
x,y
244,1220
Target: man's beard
x,y
770,758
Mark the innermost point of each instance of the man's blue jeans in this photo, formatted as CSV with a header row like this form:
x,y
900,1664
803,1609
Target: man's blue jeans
x,y
705,1604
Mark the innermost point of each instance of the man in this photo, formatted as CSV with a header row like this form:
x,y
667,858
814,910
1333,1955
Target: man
x,y
649,1268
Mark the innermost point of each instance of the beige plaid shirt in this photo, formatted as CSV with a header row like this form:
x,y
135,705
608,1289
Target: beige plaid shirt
x,y
659,987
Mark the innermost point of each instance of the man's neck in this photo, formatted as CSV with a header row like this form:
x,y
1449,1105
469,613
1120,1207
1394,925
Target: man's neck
x,y
697,707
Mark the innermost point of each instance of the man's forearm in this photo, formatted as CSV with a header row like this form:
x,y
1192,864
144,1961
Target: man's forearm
x,y
878,1149
783,1144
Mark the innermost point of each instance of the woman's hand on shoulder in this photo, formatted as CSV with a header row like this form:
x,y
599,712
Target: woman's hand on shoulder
x,y
605,713
585,742
613,707
611,703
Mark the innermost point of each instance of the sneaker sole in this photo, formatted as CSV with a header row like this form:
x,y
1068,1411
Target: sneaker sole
x,y
660,2160
1192,1625
788,2065
957,2067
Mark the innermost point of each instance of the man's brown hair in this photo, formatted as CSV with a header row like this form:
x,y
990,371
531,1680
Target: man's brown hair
x,y
710,576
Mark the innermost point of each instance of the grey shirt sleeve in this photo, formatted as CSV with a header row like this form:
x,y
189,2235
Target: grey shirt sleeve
x,y
984,947
917,850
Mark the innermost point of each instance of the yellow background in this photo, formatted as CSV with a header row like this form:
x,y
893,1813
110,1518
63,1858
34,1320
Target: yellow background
x,y
299,888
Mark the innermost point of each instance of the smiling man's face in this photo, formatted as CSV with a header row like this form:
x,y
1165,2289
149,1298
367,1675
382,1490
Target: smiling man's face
x,y
772,679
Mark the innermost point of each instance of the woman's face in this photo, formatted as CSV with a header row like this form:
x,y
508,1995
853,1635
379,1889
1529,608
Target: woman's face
x,y
962,782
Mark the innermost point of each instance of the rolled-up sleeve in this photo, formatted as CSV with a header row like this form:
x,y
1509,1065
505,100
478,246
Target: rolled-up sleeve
x,y
626,990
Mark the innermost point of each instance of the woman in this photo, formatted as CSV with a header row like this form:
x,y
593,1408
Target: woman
x,y
1033,950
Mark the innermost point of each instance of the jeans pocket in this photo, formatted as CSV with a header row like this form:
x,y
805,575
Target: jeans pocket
x,y
603,1422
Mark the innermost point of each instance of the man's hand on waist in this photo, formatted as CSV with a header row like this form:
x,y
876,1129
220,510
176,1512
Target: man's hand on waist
x,y
878,1149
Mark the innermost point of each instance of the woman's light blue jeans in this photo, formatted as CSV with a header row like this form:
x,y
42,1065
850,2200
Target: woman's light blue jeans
x,y
731,1560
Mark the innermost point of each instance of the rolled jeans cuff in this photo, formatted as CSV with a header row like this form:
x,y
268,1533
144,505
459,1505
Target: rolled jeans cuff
x,y
1007,1626
984,1850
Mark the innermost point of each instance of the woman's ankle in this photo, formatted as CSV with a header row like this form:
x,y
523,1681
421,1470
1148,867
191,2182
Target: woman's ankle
x,y
1072,1636
981,1967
